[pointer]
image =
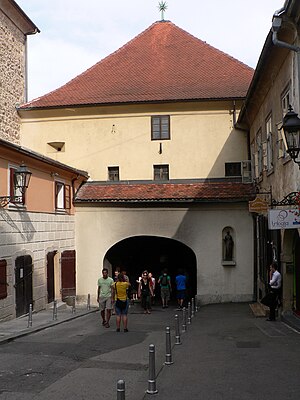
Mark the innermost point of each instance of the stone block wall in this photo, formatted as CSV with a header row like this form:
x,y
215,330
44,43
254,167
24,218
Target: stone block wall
x,y
33,234
12,78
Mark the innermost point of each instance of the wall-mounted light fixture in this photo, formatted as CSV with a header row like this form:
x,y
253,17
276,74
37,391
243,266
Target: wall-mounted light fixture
x,y
291,128
22,177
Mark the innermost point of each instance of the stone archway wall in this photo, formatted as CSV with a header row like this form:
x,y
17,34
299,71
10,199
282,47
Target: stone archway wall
x,y
199,227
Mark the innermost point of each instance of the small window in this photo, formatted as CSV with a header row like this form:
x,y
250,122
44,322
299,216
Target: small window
x,y
15,193
161,172
113,174
285,102
3,279
160,127
269,143
233,169
259,147
62,196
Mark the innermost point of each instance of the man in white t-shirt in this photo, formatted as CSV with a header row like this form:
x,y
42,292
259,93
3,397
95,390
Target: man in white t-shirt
x,y
105,296
275,286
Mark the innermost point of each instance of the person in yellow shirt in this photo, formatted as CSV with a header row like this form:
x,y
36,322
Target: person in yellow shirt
x,y
122,302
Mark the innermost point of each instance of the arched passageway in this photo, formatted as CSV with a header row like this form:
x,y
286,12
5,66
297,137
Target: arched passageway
x,y
154,254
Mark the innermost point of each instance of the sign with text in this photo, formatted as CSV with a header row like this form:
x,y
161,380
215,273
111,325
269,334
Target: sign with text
x,y
284,219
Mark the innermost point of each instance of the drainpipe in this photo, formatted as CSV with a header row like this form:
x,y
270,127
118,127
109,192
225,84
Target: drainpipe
x,y
276,25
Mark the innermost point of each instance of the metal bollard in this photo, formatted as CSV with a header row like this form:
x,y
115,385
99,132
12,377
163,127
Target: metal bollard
x,y
177,332
184,319
189,313
168,347
30,316
89,302
55,310
196,304
193,307
73,305
152,379
121,390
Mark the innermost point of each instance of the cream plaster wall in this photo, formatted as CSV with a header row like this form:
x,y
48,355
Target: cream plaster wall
x,y
202,139
199,227
33,234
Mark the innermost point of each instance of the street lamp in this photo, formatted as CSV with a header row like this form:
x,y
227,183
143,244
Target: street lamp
x,y
22,177
291,128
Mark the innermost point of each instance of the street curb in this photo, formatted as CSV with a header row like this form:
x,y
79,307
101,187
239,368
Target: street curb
x,y
31,330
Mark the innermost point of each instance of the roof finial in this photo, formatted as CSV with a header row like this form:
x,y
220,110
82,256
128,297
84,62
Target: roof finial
x,y
162,6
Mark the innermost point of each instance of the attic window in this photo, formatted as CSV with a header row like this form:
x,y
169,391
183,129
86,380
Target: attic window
x,y
56,146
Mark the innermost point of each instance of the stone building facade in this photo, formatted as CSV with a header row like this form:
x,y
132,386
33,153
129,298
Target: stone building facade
x,y
14,28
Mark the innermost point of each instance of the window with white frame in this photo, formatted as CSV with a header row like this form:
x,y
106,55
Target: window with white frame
x,y
260,158
269,143
62,196
285,102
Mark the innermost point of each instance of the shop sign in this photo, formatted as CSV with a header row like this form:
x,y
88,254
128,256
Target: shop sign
x,y
284,219
258,205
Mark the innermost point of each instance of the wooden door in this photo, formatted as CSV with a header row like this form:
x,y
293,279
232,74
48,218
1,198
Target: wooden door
x,y
50,276
68,274
23,284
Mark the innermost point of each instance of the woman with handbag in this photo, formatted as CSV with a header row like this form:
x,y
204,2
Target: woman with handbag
x,y
122,302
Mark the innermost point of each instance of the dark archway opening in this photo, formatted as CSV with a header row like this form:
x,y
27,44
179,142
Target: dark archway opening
x,y
153,253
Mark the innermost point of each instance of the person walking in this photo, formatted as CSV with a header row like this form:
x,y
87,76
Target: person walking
x,y
121,303
165,288
145,292
180,288
105,296
275,288
153,287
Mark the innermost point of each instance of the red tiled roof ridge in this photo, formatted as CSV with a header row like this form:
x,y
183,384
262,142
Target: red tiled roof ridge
x,y
86,89
200,191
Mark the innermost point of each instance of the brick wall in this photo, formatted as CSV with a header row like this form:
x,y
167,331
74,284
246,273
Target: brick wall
x,y
12,78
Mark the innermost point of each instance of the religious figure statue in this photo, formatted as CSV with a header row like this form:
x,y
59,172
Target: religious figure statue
x,y
228,242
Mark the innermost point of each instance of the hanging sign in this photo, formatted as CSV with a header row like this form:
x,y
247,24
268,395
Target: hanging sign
x,y
258,205
284,219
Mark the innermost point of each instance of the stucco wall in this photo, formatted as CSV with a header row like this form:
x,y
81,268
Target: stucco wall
x,y
33,234
12,78
202,139
198,227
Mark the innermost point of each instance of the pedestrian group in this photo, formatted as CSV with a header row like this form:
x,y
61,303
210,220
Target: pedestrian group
x,y
114,295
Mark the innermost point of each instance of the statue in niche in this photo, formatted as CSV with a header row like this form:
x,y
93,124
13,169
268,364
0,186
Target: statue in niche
x,y
228,246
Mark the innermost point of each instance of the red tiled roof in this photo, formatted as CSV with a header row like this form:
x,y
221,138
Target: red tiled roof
x,y
165,192
163,63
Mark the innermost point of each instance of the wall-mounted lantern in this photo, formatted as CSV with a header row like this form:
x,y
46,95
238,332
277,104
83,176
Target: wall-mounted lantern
x,y
22,177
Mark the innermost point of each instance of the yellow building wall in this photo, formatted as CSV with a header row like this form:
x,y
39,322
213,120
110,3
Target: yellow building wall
x,y
202,139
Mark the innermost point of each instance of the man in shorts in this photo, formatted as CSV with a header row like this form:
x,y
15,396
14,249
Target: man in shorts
x,y
165,288
180,288
105,296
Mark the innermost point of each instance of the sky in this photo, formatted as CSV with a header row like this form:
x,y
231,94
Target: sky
x,y
76,34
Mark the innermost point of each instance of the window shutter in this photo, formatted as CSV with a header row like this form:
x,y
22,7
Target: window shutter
x,y
67,197
56,194
3,280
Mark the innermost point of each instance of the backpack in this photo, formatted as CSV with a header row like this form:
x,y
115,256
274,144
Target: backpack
x,y
164,280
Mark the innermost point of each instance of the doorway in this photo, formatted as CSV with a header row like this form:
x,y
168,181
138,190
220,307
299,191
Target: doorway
x,y
23,284
68,274
297,272
154,253
51,276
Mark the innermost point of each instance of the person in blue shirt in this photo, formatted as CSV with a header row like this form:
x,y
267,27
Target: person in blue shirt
x,y
180,288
